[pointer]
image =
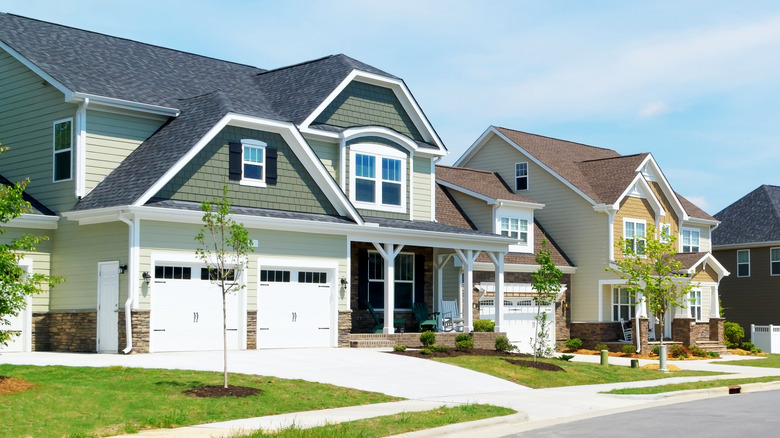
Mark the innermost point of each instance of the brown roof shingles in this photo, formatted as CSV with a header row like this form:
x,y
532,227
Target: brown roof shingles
x,y
518,258
482,182
448,212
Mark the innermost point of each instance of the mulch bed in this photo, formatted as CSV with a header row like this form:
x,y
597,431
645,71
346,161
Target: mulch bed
x,y
10,385
455,353
218,391
544,366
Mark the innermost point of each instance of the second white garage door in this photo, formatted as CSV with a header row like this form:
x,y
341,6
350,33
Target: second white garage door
x,y
294,309
187,311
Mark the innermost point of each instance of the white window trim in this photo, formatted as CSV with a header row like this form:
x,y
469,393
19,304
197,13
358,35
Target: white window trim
x,y
667,228
696,304
413,281
251,181
631,303
378,151
55,152
748,262
527,177
682,239
770,263
635,221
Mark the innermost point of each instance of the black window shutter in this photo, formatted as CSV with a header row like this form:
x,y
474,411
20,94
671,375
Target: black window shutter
x,y
270,166
235,161
419,278
362,278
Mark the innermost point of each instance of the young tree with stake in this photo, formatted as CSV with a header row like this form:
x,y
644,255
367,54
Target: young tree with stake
x,y
546,283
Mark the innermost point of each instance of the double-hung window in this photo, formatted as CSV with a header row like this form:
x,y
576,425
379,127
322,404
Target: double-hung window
x,y
253,163
743,263
774,261
666,232
634,235
690,240
623,304
521,176
404,280
517,228
378,180
63,150
695,304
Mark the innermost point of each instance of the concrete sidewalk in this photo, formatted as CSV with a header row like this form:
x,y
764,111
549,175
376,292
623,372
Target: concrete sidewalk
x,y
426,384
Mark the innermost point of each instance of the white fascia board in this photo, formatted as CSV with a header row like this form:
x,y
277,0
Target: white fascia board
x,y
640,182
36,221
712,261
293,138
476,146
746,245
665,186
37,70
509,267
695,220
401,92
96,216
389,134
123,104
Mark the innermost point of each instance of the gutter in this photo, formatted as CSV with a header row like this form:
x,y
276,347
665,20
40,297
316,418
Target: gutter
x,y
132,270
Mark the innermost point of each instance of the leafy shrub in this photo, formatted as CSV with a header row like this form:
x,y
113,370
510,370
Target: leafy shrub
x,y
629,349
574,343
600,347
734,333
714,354
656,350
679,352
463,342
749,346
566,357
399,347
425,351
484,325
439,348
502,344
697,351
427,338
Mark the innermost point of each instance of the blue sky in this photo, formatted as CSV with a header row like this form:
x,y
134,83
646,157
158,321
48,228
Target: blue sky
x,y
695,83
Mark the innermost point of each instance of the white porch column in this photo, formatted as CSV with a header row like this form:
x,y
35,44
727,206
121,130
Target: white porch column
x,y
468,257
641,308
714,302
389,251
498,261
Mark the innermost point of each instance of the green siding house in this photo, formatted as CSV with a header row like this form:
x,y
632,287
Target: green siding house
x,y
329,164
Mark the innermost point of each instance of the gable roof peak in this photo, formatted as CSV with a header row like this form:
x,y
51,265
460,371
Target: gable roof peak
x,y
573,143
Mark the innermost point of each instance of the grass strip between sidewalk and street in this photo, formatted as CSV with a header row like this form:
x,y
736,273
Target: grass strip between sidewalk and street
x,y
770,361
392,424
573,374
94,402
702,384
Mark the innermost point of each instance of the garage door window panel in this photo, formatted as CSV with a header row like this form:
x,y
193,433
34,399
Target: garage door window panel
x,y
172,272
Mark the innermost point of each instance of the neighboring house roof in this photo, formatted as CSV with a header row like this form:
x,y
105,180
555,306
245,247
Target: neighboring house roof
x,y
754,218
449,212
692,260
481,182
600,174
37,207
516,258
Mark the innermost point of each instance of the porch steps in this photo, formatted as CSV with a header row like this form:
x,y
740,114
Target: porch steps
x,y
370,340
713,346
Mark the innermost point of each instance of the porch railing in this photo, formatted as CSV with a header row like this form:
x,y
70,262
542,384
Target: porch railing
x,y
766,337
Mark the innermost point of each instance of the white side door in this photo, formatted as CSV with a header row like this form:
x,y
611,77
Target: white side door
x,y
108,307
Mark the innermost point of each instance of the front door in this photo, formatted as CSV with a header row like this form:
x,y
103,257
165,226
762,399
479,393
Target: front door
x,y
108,307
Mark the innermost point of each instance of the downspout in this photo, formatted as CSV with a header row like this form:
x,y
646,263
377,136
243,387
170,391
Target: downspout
x,y
132,273
81,149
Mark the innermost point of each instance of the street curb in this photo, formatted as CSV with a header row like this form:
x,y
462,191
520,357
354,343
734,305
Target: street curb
x,y
452,430
718,391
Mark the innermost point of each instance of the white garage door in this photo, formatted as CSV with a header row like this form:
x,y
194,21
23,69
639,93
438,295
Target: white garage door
x,y
187,311
294,309
519,323
19,324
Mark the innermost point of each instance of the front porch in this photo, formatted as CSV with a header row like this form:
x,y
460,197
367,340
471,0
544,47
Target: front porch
x,y
707,335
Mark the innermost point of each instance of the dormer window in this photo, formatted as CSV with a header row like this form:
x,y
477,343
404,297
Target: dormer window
x,y
252,163
521,176
690,240
378,177
517,228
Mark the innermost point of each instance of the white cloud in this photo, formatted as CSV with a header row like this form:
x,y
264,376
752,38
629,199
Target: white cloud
x,y
699,201
652,109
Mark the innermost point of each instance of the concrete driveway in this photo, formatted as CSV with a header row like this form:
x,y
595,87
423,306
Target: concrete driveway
x,y
365,369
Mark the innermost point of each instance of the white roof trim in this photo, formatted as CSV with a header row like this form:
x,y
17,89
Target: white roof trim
x,y
746,245
712,261
402,93
488,199
482,140
665,186
293,138
38,221
378,131
641,184
127,104
37,70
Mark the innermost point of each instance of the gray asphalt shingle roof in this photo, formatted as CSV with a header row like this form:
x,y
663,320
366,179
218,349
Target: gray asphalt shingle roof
x,y
754,218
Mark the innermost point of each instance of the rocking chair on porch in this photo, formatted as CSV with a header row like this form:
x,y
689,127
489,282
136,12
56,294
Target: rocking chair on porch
x,y
422,315
628,333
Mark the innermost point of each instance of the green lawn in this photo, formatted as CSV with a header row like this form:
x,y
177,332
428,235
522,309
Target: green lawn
x,y
693,385
85,402
770,361
575,373
393,424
